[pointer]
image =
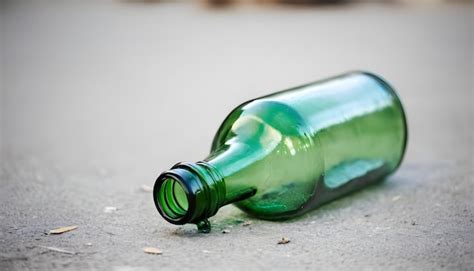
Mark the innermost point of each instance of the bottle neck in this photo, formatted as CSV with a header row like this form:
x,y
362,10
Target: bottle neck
x,y
234,163
193,192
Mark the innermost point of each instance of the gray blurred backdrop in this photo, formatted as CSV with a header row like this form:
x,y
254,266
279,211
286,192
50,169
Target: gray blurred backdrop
x,y
99,97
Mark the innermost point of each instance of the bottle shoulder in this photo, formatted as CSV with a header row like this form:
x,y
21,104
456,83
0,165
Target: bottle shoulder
x,y
270,144
270,113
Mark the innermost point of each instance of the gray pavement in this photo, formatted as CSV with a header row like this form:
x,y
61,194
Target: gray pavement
x,y
98,98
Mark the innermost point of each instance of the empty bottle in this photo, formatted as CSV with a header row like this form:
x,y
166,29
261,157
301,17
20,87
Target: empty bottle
x,y
284,154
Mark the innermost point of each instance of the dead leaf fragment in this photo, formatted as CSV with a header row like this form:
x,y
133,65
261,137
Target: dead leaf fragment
x,y
247,223
62,230
283,241
152,250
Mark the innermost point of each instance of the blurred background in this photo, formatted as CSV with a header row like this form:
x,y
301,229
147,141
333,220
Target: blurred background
x,y
99,97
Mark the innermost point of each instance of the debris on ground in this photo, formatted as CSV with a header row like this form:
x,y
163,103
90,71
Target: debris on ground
x,y
5,258
283,241
62,230
396,198
60,250
177,231
247,223
146,188
152,250
225,231
110,209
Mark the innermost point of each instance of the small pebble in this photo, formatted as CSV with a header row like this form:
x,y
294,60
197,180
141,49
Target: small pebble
x,y
146,188
110,209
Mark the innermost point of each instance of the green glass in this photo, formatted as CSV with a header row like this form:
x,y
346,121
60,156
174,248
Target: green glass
x,y
284,154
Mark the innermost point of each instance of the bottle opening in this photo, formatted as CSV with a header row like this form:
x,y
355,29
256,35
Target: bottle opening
x,y
188,193
172,198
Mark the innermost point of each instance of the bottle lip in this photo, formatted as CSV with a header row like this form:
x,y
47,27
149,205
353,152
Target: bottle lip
x,y
204,189
162,203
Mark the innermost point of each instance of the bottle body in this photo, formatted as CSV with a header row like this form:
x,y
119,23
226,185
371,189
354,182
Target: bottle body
x,y
286,153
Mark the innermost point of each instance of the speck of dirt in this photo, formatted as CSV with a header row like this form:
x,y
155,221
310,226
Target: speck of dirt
x,y
247,223
283,241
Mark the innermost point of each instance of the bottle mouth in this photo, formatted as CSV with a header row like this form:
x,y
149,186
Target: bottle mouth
x,y
173,198
188,193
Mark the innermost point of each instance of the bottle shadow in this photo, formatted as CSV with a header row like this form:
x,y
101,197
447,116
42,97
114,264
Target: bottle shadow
x,y
236,221
358,199
363,201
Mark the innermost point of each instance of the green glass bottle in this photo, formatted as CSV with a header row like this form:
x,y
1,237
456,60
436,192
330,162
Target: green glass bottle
x,y
284,154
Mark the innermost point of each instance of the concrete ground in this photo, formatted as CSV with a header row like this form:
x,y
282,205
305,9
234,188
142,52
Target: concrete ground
x,y
98,98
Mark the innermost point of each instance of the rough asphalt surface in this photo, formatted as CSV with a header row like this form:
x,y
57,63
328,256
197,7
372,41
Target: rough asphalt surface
x,y
98,98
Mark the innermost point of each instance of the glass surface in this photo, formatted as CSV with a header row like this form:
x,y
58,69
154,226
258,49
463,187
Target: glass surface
x,y
173,198
305,146
284,154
